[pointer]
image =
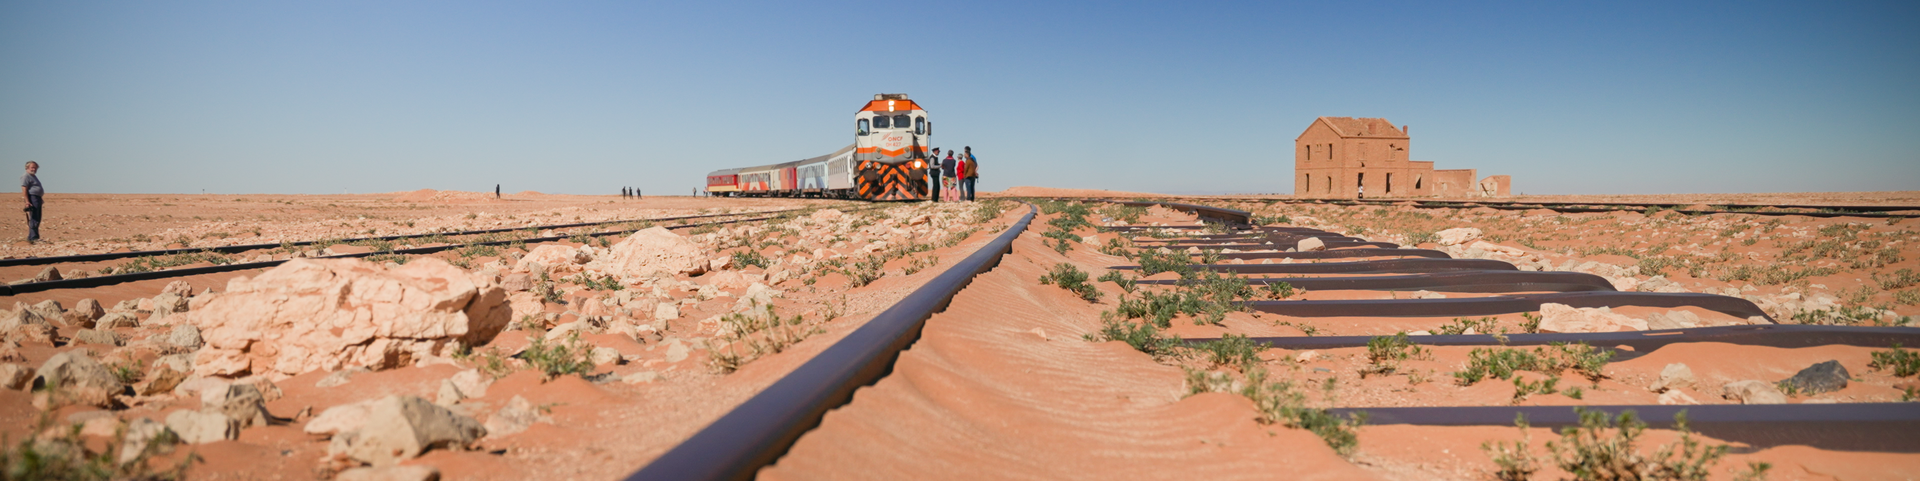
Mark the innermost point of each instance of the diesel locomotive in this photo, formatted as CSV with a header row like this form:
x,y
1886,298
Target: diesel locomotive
x,y
887,161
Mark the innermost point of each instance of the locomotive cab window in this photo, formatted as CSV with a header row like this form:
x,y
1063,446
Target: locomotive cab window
x,y
901,122
861,127
920,125
882,122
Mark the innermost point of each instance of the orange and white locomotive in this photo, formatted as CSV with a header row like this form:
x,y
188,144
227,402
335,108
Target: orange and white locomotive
x,y
887,161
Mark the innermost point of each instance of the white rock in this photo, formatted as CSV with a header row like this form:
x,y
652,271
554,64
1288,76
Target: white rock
x,y
1753,392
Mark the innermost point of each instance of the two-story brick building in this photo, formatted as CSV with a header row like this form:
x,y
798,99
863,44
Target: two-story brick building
x,y
1345,156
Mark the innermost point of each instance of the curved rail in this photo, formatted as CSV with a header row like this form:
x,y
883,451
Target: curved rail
x,y
758,431
1771,335
1851,426
1453,281
1487,306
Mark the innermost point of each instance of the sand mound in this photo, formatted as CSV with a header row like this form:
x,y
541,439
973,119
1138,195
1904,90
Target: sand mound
x,y
1029,191
444,196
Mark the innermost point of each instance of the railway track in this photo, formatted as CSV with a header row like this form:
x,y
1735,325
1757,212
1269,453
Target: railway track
x,y
758,433
105,280
1866,211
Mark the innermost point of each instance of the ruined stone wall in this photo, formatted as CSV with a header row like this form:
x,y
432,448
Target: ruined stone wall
x,y
1453,182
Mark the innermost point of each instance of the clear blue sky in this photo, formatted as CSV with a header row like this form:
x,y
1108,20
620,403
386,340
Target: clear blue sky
x,y
1182,97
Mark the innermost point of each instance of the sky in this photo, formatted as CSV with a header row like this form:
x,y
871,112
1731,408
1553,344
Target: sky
x,y
585,97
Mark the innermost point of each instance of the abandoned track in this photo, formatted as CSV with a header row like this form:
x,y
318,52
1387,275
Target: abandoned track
x,y
1869,211
759,432
98,281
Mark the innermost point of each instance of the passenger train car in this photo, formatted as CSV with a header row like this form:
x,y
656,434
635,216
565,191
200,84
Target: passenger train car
x,y
887,161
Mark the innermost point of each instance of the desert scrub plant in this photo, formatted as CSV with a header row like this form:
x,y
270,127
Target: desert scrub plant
x,y
1116,247
1460,325
544,288
1072,279
749,258
128,372
558,358
1279,402
1515,460
1125,213
1142,337
1126,284
1232,350
1500,363
1384,354
1279,290
1904,363
1530,322
745,337
1901,279
865,271
1271,220
603,283
1522,388
1602,448
60,453
1154,262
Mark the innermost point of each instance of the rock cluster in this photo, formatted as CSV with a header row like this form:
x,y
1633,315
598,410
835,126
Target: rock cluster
x,y
308,315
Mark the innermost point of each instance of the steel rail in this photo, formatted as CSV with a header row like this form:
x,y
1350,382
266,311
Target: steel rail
x,y
1880,427
1339,254
34,261
758,431
1642,342
98,281
1487,306
1455,281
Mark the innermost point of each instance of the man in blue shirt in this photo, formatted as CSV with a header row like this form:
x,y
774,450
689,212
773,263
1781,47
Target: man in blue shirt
x,y
30,187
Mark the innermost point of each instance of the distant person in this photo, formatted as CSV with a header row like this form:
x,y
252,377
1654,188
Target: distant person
x,y
496,191
970,176
31,189
1363,192
933,175
949,177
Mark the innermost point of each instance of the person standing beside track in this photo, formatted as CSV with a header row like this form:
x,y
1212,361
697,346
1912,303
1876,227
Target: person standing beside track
x,y
947,171
970,176
36,200
933,175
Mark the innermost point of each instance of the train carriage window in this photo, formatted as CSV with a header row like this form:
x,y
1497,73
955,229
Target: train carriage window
x,y
882,122
901,122
920,125
862,127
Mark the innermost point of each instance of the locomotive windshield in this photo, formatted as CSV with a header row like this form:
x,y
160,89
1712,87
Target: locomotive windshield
x,y
901,122
861,127
882,122
920,125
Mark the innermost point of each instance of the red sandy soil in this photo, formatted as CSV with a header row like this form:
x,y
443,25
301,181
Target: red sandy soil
x,y
1003,384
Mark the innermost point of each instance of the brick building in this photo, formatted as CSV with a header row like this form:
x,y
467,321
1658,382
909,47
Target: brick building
x,y
1337,156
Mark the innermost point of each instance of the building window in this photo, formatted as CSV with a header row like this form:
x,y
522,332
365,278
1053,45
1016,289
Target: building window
x,y
1389,182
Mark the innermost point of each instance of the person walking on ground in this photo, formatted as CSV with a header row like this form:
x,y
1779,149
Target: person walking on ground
x,y
933,175
496,191
971,176
35,193
947,176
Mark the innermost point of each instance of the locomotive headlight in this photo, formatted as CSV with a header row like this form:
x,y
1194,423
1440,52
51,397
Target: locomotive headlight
x,y
918,164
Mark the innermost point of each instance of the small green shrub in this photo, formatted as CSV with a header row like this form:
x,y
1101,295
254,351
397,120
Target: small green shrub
x,y
1278,402
1232,350
1602,448
1279,290
1522,388
1142,336
567,356
1904,363
745,337
1126,284
749,258
1484,325
1384,353
1532,323
1515,460
1072,279
1153,262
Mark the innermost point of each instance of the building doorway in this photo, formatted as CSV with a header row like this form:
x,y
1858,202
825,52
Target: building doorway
x,y
1389,182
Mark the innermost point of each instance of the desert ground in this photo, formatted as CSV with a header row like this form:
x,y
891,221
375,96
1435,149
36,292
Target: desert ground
x,y
589,357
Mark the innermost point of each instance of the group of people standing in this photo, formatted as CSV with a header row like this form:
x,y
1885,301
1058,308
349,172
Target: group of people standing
x,y
953,176
632,193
